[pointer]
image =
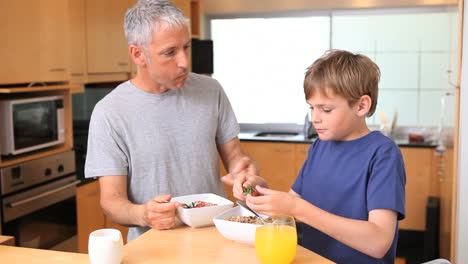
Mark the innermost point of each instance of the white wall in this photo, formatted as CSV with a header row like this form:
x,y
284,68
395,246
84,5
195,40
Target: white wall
x,y
461,244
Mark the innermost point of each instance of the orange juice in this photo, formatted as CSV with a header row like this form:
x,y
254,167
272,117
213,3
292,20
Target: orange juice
x,y
276,244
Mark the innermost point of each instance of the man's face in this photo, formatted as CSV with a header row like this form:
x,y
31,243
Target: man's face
x,y
169,57
333,118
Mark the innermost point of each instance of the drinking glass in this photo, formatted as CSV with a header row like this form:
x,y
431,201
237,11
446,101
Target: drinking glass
x,y
105,246
276,242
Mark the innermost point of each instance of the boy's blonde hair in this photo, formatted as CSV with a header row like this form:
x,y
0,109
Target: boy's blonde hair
x,y
346,74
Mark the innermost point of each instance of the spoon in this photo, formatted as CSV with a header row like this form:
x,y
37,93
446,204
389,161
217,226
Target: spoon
x,y
244,205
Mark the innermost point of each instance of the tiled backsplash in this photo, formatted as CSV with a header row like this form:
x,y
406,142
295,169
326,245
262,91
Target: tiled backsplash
x,y
416,54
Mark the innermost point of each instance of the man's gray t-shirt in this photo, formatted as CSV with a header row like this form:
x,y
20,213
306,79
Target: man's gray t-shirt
x,y
165,143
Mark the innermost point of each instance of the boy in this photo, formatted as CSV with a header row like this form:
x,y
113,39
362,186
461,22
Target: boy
x,y
350,192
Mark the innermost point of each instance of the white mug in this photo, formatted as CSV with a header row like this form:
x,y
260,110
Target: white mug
x,y
105,246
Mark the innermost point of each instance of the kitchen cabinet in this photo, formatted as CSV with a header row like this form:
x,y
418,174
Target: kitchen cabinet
x,y
419,186
279,163
276,162
443,171
35,41
77,63
106,46
7,241
90,215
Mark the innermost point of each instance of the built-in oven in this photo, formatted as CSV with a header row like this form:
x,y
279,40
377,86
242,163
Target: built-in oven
x,y
38,204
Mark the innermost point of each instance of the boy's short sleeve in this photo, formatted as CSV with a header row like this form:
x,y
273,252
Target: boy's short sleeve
x,y
386,184
298,183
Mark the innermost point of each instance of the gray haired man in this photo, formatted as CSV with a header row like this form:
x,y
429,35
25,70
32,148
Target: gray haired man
x,y
159,134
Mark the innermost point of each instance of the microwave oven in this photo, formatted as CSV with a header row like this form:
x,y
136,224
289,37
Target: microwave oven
x,y
29,124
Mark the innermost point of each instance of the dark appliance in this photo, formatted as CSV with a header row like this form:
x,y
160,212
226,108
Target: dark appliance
x,y
38,201
202,56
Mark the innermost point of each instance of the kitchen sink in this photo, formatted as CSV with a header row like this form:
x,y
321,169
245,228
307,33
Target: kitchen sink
x,y
276,134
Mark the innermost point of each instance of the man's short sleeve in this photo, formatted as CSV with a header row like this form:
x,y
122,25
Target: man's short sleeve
x,y
106,149
228,128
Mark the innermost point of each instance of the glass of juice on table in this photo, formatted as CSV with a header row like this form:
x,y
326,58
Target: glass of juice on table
x,y
276,242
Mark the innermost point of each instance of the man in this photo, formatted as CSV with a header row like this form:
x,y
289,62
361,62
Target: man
x,y
159,134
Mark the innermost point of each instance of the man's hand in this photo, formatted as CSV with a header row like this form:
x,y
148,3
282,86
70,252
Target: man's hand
x,y
159,213
242,181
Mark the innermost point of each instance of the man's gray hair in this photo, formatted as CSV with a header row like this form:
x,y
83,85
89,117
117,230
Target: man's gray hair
x,y
149,15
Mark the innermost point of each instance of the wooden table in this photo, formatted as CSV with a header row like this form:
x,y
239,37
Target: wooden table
x,y
198,245
180,245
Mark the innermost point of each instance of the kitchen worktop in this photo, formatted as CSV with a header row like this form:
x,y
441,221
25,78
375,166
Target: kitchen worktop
x,y
179,245
300,138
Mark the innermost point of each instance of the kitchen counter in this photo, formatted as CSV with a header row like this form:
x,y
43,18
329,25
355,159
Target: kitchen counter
x,y
179,245
250,136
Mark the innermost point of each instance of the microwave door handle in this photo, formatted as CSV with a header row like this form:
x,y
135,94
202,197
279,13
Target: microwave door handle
x,y
27,200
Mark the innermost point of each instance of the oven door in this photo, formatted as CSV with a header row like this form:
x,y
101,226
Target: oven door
x,y
42,217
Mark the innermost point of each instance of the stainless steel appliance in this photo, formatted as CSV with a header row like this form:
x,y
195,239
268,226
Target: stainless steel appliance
x,y
30,124
38,201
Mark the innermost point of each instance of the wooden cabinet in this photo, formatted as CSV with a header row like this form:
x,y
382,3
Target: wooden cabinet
x,y
77,63
107,52
35,41
276,162
279,163
90,215
443,171
7,241
419,186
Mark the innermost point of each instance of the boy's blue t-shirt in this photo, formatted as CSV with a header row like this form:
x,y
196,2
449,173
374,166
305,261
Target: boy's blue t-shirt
x,y
349,179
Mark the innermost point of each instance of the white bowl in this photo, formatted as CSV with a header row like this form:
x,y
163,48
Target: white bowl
x,y
201,216
239,232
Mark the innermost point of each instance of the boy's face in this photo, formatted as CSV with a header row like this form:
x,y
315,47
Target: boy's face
x,y
335,119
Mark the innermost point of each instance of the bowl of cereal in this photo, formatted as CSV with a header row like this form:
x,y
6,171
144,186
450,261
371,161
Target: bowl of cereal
x,y
238,224
198,210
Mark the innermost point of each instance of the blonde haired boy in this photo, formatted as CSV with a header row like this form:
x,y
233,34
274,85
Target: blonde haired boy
x,y
350,192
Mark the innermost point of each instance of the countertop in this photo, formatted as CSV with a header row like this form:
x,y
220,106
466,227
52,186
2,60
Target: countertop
x,y
300,138
179,245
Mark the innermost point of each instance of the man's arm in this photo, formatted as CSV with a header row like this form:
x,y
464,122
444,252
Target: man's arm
x,y
156,213
235,160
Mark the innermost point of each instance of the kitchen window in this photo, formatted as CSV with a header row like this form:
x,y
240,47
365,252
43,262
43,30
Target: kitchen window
x,y
261,60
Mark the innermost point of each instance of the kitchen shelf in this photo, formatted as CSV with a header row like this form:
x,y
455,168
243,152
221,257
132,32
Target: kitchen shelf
x,y
6,161
74,88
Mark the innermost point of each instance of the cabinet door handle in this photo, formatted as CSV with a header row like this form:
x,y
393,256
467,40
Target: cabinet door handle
x,y
282,150
122,63
77,74
57,70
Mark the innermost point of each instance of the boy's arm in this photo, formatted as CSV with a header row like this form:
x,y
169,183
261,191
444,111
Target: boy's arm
x,y
373,237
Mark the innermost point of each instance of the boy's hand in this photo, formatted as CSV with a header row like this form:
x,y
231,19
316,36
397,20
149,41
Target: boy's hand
x,y
272,202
